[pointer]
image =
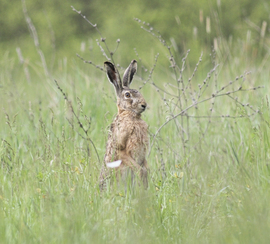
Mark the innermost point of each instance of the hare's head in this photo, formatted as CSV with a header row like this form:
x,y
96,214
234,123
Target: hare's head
x,y
127,99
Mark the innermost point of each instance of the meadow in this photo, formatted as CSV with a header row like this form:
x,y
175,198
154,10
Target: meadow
x,y
209,154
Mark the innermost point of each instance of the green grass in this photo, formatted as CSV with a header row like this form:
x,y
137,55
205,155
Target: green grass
x,y
217,193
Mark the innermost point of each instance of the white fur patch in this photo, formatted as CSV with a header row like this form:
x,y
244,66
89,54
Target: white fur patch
x,y
114,164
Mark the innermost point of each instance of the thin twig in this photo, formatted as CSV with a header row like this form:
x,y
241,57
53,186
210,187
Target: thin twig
x,y
103,39
78,120
35,37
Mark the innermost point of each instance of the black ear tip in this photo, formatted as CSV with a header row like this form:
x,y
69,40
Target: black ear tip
x,y
108,64
133,61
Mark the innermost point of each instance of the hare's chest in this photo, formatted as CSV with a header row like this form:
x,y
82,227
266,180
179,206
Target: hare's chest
x,y
138,141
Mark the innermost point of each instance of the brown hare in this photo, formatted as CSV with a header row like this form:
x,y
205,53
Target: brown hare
x,y
128,138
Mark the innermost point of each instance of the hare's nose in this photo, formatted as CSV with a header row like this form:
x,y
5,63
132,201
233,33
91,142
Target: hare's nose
x,y
143,106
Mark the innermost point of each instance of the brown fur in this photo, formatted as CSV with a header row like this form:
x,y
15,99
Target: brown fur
x,y
128,138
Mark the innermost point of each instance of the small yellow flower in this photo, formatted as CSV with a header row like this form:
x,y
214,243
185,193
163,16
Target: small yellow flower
x,y
38,190
181,175
76,170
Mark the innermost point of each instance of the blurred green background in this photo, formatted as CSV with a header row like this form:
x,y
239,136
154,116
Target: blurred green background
x,y
197,25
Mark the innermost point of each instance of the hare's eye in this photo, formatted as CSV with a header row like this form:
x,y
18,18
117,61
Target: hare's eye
x,y
127,94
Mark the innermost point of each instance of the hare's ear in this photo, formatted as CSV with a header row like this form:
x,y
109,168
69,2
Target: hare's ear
x,y
129,73
113,76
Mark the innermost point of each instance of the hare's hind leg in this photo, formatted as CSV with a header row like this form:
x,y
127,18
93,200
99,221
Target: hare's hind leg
x,y
144,173
127,177
129,168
